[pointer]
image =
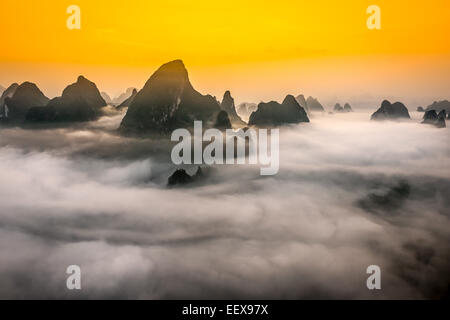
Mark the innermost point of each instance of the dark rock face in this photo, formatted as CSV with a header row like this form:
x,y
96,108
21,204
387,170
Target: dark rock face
x,y
301,101
441,120
7,93
228,106
129,100
348,108
389,111
314,105
420,109
439,105
80,101
273,113
26,96
167,102
431,117
338,108
181,177
223,121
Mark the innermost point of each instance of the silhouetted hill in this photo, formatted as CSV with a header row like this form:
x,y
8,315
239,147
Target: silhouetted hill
x,y
167,102
388,111
26,96
229,106
80,101
347,107
7,93
338,108
301,101
273,113
129,100
314,105
123,96
433,118
439,105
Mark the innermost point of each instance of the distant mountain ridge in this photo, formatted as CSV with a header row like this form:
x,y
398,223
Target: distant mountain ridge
x,y
312,104
80,101
127,102
123,96
274,113
389,111
26,96
439,105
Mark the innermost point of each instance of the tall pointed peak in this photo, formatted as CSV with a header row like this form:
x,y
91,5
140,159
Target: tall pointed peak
x,y
175,66
289,99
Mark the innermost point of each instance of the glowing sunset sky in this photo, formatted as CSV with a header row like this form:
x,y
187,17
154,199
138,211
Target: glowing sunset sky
x,y
259,50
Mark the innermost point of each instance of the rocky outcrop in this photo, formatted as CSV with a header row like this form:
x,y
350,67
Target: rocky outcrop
x,y
80,101
181,177
26,96
167,102
274,114
420,109
347,107
123,96
338,108
129,100
228,106
223,121
440,123
389,111
314,105
433,118
430,117
7,93
440,105
302,101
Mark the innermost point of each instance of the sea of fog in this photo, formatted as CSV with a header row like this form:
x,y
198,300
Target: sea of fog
x,y
350,193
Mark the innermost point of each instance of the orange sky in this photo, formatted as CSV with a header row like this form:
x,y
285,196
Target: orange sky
x,y
259,50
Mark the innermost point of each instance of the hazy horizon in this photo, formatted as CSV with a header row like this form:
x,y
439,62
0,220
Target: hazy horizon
x,y
258,51
333,92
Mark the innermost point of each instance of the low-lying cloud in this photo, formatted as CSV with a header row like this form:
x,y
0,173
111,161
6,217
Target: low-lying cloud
x,y
350,193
